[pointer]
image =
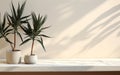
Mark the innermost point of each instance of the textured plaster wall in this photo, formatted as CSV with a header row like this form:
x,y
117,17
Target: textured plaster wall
x,y
79,28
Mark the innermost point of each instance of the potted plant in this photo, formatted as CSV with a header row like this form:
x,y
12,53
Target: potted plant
x,y
16,20
34,33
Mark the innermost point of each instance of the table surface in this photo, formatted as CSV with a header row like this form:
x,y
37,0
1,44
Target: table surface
x,y
64,65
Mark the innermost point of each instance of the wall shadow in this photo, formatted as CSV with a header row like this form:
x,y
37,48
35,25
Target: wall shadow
x,y
106,32
91,27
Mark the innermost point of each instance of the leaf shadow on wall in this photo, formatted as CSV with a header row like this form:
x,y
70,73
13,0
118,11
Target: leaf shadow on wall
x,y
106,27
79,10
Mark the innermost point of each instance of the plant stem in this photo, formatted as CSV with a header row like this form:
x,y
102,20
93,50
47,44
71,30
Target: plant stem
x,y
32,47
14,41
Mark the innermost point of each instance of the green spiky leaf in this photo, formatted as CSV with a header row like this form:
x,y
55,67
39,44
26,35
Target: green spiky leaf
x,y
41,42
20,36
25,41
13,11
43,35
8,40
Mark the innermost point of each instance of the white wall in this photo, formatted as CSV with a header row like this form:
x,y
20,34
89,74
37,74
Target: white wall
x,y
80,28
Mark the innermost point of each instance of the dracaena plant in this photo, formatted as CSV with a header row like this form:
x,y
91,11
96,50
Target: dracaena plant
x,y
33,31
5,30
16,20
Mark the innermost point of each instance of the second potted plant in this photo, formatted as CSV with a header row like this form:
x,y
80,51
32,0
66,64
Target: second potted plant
x,y
34,33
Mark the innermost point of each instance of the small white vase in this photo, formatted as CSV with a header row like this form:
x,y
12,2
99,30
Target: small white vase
x,y
30,59
13,57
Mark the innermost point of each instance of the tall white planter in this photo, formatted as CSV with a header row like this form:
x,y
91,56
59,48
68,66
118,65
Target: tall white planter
x,y
30,59
13,57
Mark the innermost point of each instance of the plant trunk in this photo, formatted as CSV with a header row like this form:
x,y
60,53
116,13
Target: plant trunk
x,y
32,47
14,41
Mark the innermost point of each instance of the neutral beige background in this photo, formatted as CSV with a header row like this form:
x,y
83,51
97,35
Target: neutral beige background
x,y
80,28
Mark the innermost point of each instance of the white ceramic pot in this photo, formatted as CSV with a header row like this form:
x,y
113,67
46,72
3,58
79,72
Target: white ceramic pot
x,y
13,57
30,59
